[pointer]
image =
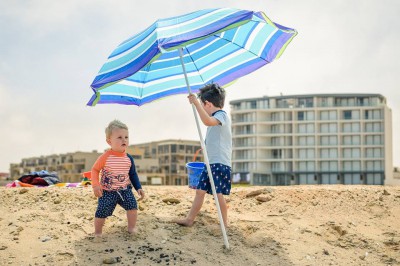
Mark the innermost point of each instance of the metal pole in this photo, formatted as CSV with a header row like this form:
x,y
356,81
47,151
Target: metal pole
x,y
203,146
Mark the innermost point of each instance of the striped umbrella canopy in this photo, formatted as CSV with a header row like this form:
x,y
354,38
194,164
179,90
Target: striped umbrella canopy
x,y
216,45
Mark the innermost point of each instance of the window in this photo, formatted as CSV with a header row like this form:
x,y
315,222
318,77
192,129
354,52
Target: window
x,y
373,140
351,166
306,141
374,166
347,115
373,127
173,148
276,154
351,127
300,116
324,101
328,153
306,128
328,140
351,153
305,102
324,115
372,114
351,140
373,152
306,166
367,114
306,153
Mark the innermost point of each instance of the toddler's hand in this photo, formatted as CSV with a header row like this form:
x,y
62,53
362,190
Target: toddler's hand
x,y
98,191
141,194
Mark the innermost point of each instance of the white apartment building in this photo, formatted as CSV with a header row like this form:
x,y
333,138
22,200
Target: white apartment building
x,y
312,139
172,156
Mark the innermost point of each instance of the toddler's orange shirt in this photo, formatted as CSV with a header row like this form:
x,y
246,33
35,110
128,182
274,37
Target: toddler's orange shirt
x,y
111,170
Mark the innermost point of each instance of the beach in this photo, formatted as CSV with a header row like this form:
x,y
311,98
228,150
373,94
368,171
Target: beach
x,y
293,225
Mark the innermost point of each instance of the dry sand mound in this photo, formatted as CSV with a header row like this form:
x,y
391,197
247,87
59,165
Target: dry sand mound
x,y
297,225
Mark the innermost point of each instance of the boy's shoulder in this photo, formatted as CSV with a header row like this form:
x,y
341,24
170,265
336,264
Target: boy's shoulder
x,y
218,112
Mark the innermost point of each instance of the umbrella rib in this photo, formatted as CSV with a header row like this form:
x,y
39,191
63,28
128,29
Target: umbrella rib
x,y
194,63
242,47
147,68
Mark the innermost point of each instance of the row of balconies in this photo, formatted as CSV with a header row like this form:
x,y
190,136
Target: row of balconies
x,y
288,145
372,166
299,158
308,102
247,120
272,133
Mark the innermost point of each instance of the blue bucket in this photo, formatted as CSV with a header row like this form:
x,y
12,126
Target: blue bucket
x,y
194,171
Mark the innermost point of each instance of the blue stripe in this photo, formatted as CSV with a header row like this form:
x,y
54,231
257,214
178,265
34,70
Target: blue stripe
x,y
133,41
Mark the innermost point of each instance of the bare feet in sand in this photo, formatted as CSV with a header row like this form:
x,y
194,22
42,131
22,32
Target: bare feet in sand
x,y
184,222
133,231
97,238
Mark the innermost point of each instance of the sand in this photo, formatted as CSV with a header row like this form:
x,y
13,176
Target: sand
x,y
296,225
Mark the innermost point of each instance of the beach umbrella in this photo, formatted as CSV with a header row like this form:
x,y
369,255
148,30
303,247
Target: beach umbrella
x,y
184,53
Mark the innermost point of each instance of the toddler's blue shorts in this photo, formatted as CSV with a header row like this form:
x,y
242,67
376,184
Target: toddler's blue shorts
x,y
222,179
110,199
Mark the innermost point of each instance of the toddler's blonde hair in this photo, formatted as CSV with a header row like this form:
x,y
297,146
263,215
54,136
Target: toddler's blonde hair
x,y
113,125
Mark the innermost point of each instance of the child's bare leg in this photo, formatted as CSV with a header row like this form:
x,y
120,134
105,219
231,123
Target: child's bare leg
x,y
98,226
224,209
132,217
194,210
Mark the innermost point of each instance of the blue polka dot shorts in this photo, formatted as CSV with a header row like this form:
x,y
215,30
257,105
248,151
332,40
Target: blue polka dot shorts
x,y
222,179
110,199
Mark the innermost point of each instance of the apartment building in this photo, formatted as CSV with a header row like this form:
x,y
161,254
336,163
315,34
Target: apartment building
x,y
172,156
69,166
148,170
312,139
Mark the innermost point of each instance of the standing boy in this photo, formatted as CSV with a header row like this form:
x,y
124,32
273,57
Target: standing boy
x,y
113,175
219,150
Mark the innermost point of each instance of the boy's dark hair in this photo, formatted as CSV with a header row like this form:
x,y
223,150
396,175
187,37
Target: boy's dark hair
x,y
214,94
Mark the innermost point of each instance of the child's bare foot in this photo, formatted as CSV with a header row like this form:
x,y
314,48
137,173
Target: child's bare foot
x,y
184,222
133,231
97,238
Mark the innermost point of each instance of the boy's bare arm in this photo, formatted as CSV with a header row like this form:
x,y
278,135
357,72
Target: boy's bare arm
x,y
205,118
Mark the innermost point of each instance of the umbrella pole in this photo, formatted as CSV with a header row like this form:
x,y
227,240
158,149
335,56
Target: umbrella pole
x,y
203,146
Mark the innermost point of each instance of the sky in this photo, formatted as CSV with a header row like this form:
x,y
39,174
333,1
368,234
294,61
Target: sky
x,y
50,52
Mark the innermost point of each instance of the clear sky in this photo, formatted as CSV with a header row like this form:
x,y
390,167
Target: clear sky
x,y
50,52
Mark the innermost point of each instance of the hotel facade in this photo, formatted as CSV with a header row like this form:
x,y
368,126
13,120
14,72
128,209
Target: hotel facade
x,y
172,156
312,139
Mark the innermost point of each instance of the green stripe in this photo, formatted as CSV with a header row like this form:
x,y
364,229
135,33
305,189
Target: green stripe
x,y
286,44
97,99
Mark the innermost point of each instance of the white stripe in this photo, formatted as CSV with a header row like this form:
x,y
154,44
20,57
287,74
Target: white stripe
x,y
125,53
129,50
156,82
238,53
266,41
252,36
216,63
161,30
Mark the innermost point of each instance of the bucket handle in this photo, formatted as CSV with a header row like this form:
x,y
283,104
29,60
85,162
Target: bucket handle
x,y
196,154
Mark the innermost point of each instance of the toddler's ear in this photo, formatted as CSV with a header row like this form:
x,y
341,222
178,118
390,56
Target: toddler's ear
x,y
108,141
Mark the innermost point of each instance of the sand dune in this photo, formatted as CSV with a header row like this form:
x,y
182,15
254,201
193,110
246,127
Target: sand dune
x,y
297,225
